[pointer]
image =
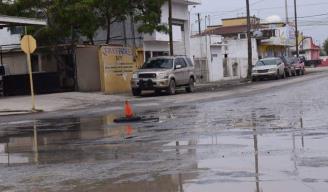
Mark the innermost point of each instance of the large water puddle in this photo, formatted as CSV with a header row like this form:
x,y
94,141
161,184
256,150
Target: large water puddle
x,y
244,144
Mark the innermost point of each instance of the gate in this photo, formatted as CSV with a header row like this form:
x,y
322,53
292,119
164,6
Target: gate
x,y
201,70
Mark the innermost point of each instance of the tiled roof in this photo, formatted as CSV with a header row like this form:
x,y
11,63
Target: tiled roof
x,y
226,30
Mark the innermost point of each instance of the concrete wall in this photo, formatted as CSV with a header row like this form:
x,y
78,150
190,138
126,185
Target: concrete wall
x,y
183,47
199,47
234,66
88,71
16,62
179,11
48,63
216,64
238,48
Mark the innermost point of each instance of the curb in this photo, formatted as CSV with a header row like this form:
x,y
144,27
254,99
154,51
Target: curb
x,y
18,112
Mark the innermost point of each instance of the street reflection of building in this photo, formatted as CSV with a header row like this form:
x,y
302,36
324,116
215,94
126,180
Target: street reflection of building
x,y
91,140
66,138
185,153
23,145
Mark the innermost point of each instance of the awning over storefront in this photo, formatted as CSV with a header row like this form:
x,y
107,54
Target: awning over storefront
x,y
6,21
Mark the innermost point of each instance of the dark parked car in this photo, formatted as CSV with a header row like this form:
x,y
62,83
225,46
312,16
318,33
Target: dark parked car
x,y
289,67
299,66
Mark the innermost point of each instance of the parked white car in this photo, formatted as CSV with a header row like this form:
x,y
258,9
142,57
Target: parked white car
x,y
272,67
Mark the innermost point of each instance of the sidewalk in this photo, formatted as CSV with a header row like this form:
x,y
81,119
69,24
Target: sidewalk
x,y
55,102
78,100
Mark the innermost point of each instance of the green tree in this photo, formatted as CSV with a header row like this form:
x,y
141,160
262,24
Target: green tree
x,y
73,19
325,46
111,11
322,52
148,13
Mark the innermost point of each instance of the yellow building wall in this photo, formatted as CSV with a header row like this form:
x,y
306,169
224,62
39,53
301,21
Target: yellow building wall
x,y
139,57
234,22
271,50
116,68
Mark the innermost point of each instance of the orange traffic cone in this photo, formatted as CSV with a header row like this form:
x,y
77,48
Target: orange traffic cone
x,y
128,110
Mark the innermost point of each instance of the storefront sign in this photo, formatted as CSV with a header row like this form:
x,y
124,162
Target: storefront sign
x,y
116,68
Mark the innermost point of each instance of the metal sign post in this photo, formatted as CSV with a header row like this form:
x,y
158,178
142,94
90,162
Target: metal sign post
x,y
28,45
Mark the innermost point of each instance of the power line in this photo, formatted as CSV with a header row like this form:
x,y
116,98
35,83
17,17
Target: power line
x,y
300,5
267,8
313,15
233,10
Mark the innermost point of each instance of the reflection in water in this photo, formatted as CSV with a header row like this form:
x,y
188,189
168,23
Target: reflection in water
x,y
302,132
256,152
153,157
105,149
35,143
22,146
4,151
294,151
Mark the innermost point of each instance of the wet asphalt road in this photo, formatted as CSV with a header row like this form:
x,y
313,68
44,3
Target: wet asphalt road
x,y
273,140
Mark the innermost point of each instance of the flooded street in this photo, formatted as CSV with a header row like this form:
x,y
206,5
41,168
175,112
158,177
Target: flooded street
x,y
267,141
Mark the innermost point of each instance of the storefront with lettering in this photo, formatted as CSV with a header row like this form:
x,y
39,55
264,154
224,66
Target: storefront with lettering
x,y
116,68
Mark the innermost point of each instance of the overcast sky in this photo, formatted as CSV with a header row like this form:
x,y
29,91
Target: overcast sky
x,y
313,13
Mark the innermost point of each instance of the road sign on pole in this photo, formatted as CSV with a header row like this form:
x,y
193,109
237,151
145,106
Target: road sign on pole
x,y
28,45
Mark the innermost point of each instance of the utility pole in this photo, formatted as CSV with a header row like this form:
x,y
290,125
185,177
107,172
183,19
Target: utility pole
x,y
1,56
170,28
296,29
124,33
249,43
205,22
286,11
287,27
199,27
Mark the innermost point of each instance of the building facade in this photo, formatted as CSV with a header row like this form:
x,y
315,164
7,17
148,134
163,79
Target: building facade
x,y
221,53
277,39
309,49
155,44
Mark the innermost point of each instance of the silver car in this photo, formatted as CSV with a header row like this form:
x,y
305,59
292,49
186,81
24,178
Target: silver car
x,y
269,68
164,73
